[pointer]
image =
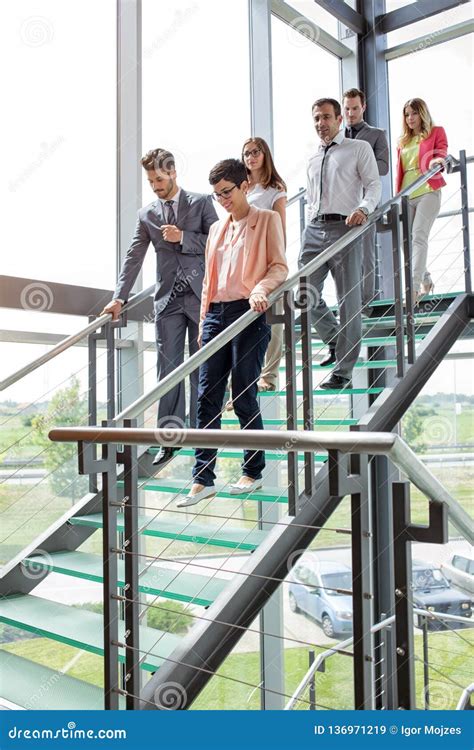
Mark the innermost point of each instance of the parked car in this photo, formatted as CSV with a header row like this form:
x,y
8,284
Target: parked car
x,y
460,571
432,591
316,588
320,589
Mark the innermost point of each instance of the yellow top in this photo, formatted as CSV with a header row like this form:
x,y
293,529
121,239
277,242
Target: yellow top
x,y
411,171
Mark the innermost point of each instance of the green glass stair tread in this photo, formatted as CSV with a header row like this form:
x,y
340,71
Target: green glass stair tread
x,y
317,422
371,364
270,456
34,686
174,486
390,320
80,628
181,585
373,340
426,298
244,539
326,392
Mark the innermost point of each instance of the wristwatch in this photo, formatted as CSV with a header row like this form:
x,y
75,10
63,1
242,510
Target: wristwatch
x,y
364,210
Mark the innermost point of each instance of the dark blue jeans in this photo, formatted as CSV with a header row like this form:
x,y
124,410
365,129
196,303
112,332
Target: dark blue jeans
x,y
243,358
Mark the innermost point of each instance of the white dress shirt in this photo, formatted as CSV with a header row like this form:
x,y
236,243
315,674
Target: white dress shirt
x,y
350,178
264,197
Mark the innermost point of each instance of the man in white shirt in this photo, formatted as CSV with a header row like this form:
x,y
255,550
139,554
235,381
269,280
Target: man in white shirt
x,y
343,189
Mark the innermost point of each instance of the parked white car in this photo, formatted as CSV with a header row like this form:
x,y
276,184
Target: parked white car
x,y
460,571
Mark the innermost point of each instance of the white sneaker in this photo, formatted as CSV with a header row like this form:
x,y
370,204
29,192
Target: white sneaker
x,y
240,489
193,499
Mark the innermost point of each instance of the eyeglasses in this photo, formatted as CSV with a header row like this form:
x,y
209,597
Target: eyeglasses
x,y
254,152
223,194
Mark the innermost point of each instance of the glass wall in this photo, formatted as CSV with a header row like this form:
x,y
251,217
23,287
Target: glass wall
x,y
58,146
200,108
302,72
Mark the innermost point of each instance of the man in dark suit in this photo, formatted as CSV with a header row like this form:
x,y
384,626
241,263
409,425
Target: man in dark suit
x,y
177,224
354,108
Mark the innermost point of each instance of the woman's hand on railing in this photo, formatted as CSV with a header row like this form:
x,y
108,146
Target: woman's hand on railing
x,y
114,308
438,161
258,302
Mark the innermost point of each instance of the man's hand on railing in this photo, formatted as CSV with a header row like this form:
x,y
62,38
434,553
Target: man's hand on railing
x,y
356,217
113,308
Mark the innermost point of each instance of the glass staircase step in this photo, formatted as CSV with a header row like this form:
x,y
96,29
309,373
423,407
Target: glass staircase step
x,y
372,340
269,455
317,422
425,318
180,585
227,536
426,298
326,392
80,628
36,687
175,486
371,364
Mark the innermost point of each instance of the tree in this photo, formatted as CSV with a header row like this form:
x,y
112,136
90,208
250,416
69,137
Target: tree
x,y
67,408
412,428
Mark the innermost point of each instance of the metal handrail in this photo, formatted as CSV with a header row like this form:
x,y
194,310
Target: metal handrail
x,y
73,339
465,698
147,399
373,443
321,658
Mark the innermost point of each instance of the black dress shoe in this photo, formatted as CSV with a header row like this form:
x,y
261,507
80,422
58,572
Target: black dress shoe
x,y
335,382
330,359
164,455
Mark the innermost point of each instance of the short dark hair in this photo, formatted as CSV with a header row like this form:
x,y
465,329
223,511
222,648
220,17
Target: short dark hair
x,y
229,169
158,159
352,93
325,100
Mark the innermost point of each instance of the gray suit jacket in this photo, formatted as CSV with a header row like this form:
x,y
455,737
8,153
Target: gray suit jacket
x,y
377,138
195,216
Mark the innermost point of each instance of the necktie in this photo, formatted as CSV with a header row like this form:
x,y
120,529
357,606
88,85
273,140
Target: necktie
x,y
170,214
181,282
326,149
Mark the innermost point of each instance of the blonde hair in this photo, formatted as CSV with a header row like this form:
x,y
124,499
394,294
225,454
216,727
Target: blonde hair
x,y
421,108
270,176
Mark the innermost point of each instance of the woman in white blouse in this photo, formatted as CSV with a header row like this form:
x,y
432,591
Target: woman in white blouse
x,y
266,190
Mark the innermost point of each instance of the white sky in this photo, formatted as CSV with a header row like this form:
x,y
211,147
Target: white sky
x,y
58,145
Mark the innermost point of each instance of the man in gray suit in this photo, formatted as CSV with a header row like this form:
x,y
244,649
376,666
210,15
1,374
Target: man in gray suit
x,y
354,105
177,224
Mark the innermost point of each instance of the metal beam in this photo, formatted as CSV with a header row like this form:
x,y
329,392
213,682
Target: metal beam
x,y
414,12
344,13
36,295
260,45
129,177
307,28
430,40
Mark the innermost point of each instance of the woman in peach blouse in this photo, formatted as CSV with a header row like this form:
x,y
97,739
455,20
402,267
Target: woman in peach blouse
x,y
245,261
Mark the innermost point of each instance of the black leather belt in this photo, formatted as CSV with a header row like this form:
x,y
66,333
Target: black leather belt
x,y
329,217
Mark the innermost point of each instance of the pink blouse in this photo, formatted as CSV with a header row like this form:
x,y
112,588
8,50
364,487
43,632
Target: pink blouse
x,y
230,264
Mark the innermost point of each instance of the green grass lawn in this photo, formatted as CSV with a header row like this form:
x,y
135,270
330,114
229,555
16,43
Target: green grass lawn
x,y
236,684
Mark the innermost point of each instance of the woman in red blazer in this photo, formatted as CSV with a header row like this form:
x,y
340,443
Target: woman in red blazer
x,y
421,146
